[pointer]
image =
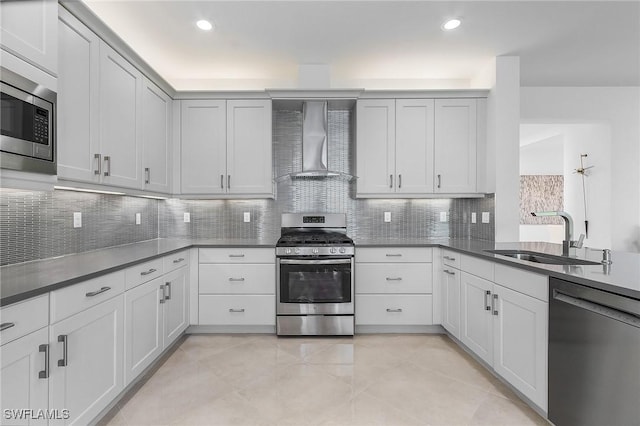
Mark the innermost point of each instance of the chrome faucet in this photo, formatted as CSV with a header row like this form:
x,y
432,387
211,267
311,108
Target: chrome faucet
x,y
569,246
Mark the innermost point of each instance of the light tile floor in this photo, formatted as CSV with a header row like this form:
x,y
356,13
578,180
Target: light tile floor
x,y
365,380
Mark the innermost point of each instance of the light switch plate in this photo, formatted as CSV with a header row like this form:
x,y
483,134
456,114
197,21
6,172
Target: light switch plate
x,y
77,220
387,216
485,217
474,217
443,216
138,218
187,217
247,216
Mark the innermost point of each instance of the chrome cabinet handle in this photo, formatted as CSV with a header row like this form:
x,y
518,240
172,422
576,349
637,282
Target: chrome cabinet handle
x,y
44,374
168,287
178,260
97,292
236,255
147,175
487,303
494,304
394,310
65,343
98,171
399,181
390,181
228,181
107,160
439,181
221,181
448,258
446,271
150,271
236,310
162,296
393,255
6,325
236,279
394,279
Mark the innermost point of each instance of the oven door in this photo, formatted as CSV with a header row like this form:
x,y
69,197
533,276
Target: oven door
x,y
315,286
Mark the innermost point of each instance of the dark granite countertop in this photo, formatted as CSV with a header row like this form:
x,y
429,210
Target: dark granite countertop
x,y
25,280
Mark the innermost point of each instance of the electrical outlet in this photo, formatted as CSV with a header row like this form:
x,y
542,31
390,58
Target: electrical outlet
x,y
247,217
77,220
474,217
485,217
138,218
443,216
387,216
187,217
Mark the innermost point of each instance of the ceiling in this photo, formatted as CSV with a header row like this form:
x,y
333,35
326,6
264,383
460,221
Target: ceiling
x,y
379,44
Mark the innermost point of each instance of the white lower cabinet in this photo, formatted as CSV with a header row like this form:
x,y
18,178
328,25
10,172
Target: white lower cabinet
x,y
450,283
246,309
87,361
176,318
394,309
24,378
476,329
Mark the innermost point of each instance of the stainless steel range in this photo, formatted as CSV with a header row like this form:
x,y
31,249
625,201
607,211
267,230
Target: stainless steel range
x,y
314,264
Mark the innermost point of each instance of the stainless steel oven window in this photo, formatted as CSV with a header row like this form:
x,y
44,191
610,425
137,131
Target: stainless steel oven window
x,y
315,281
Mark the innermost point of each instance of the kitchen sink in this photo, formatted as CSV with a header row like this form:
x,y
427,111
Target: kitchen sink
x,y
536,257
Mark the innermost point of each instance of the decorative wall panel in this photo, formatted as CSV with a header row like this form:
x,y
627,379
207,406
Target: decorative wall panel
x,y
541,193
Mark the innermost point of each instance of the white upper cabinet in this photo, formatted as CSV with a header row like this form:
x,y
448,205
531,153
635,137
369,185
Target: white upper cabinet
x,y
78,118
455,145
376,146
30,31
414,146
120,119
226,147
156,133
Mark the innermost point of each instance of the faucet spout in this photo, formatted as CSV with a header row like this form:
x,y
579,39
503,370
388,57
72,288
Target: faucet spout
x,y
568,243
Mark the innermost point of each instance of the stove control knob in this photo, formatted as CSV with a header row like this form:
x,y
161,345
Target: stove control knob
x,y
315,251
342,250
288,251
332,250
297,251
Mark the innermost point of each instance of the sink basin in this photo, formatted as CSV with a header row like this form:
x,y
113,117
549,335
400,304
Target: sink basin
x,y
548,259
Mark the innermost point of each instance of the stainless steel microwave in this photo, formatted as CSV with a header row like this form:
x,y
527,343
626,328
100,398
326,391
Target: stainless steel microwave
x,y
27,124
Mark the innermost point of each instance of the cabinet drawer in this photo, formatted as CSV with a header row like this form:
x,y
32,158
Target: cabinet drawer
x,y
394,278
393,254
529,283
451,258
76,298
22,318
142,273
237,310
478,267
237,255
379,309
224,278
175,261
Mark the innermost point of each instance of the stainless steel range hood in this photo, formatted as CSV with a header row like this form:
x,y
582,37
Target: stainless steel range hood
x,y
315,141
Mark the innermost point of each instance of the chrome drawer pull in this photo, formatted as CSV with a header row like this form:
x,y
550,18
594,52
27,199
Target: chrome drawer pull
x,y
147,175
98,171
150,271
236,255
487,303
162,296
439,181
394,255
44,374
221,181
236,310
97,292
394,279
394,310
494,304
178,260
65,343
107,161
168,287
446,271
6,325
449,258
390,181
236,279
399,181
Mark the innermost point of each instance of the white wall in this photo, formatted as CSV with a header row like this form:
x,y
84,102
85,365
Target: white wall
x,y
544,157
614,113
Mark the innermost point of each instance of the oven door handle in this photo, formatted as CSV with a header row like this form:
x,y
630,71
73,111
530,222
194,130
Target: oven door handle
x,y
315,262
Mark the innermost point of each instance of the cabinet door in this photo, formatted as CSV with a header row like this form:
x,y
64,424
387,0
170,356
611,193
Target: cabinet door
x,y
29,31
22,387
203,147
175,305
450,279
249,147
476,329
78,118
520,343
143,327
414,145
93,374
375,146
120,120
156,119
455,145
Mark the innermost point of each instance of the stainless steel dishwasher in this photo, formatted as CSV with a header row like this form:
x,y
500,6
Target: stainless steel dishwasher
x,y
594,356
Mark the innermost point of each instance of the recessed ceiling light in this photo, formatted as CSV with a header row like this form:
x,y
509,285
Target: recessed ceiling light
x,y
451,24
204,25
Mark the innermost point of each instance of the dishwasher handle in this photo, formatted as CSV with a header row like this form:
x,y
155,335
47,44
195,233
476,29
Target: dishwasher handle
x,y
591,305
